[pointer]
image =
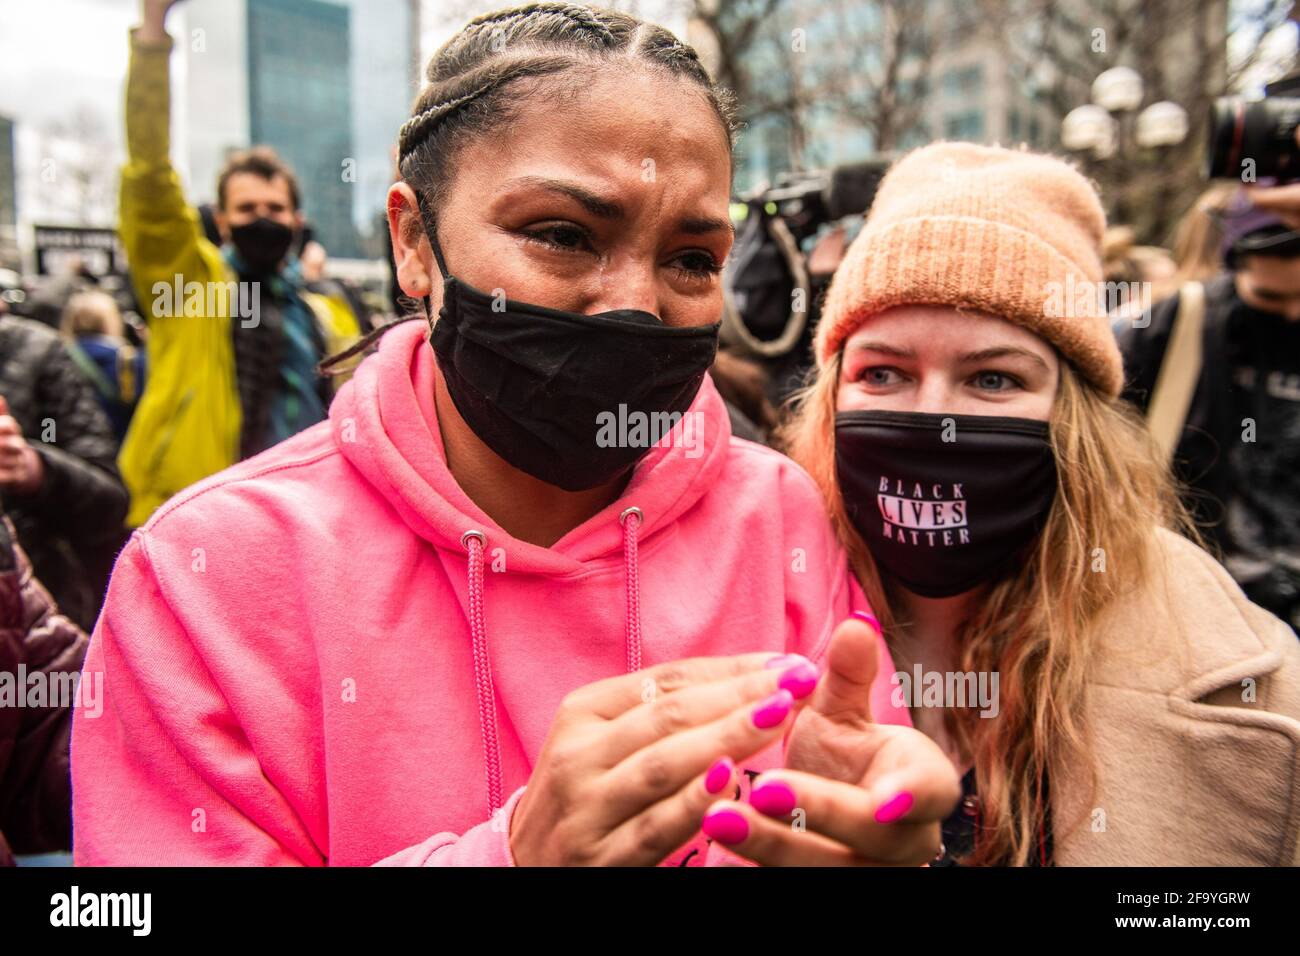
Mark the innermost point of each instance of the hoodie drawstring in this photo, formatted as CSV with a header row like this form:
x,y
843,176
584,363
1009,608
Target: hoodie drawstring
x,y
474,542
630,519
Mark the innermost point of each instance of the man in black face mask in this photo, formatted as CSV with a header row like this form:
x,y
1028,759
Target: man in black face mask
x,y
235,332
1239,450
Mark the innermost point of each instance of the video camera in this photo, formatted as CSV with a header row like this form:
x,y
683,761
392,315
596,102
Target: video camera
x,y
1259,137
790,236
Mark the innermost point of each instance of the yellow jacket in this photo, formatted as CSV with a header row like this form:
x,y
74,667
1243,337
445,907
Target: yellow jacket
x,y
186,425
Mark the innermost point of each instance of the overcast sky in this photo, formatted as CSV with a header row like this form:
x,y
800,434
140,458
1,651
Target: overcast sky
x,y
61,56
56,55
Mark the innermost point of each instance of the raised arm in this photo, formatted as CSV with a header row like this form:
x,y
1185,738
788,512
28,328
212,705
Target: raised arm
x,y
160,230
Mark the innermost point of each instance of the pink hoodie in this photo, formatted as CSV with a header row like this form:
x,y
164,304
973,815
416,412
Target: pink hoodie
x,y
303,664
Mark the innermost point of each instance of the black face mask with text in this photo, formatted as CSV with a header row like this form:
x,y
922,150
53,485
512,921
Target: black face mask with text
x,y
944,502
541,387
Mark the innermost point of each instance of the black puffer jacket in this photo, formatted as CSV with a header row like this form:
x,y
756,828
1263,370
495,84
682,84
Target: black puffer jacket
x,y
72,527
35,785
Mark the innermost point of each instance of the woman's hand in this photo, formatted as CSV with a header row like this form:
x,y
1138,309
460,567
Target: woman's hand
x,y
854,793
622,776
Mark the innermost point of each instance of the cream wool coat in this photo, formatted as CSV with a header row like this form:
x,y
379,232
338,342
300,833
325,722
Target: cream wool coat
x,y
1194,713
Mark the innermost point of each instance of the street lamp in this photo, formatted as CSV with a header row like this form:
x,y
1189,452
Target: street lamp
x,y
1105,129
1118,90
1097,127
1085,127
1161,124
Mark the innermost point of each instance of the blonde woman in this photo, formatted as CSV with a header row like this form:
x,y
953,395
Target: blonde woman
x,y
1010,524
95,334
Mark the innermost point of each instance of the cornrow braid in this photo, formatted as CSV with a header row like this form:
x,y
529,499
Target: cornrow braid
x,y
414,129
487,79
584,17
470,76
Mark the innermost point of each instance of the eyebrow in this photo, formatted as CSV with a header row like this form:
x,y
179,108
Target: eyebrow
x,y
884,348
703,225
596,205
604,208
1005,351
983,355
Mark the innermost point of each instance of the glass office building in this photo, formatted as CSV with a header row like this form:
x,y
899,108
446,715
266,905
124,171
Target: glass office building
x,y
8,197
299,101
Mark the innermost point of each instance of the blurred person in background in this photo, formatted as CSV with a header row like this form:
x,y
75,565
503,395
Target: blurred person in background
x,y
232,370
1123,260
742,383
50,293
313,260
1135,275
95,334
35,785
1227,351
58,478
1199,236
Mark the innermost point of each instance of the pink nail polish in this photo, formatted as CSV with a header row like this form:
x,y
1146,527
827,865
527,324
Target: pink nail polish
x,y
870,619
786,660
800,680
773,710
773,798
894,808
726,826
718,776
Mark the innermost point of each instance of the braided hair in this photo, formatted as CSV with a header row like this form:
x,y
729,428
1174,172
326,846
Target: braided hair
x,y
469,77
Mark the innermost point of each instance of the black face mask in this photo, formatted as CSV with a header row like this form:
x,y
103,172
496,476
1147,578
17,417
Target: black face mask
x,y
262,244
942,516
1266,338
561,395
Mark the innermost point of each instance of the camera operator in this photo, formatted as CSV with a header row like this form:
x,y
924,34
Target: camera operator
x,y
1233,422
788,245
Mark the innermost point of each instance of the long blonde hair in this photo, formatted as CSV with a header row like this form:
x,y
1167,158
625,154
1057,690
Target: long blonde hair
x,y
1033,627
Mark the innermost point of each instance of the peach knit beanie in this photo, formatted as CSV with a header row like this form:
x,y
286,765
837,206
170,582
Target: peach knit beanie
x,y
1006,232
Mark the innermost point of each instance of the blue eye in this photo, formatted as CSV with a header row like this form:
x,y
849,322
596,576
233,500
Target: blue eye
x,y
994,381
879,376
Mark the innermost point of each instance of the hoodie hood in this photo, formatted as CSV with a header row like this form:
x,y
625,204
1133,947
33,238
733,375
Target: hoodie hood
x,y
385,424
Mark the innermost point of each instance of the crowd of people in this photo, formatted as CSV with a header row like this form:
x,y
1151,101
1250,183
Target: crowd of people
x,y
428,591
